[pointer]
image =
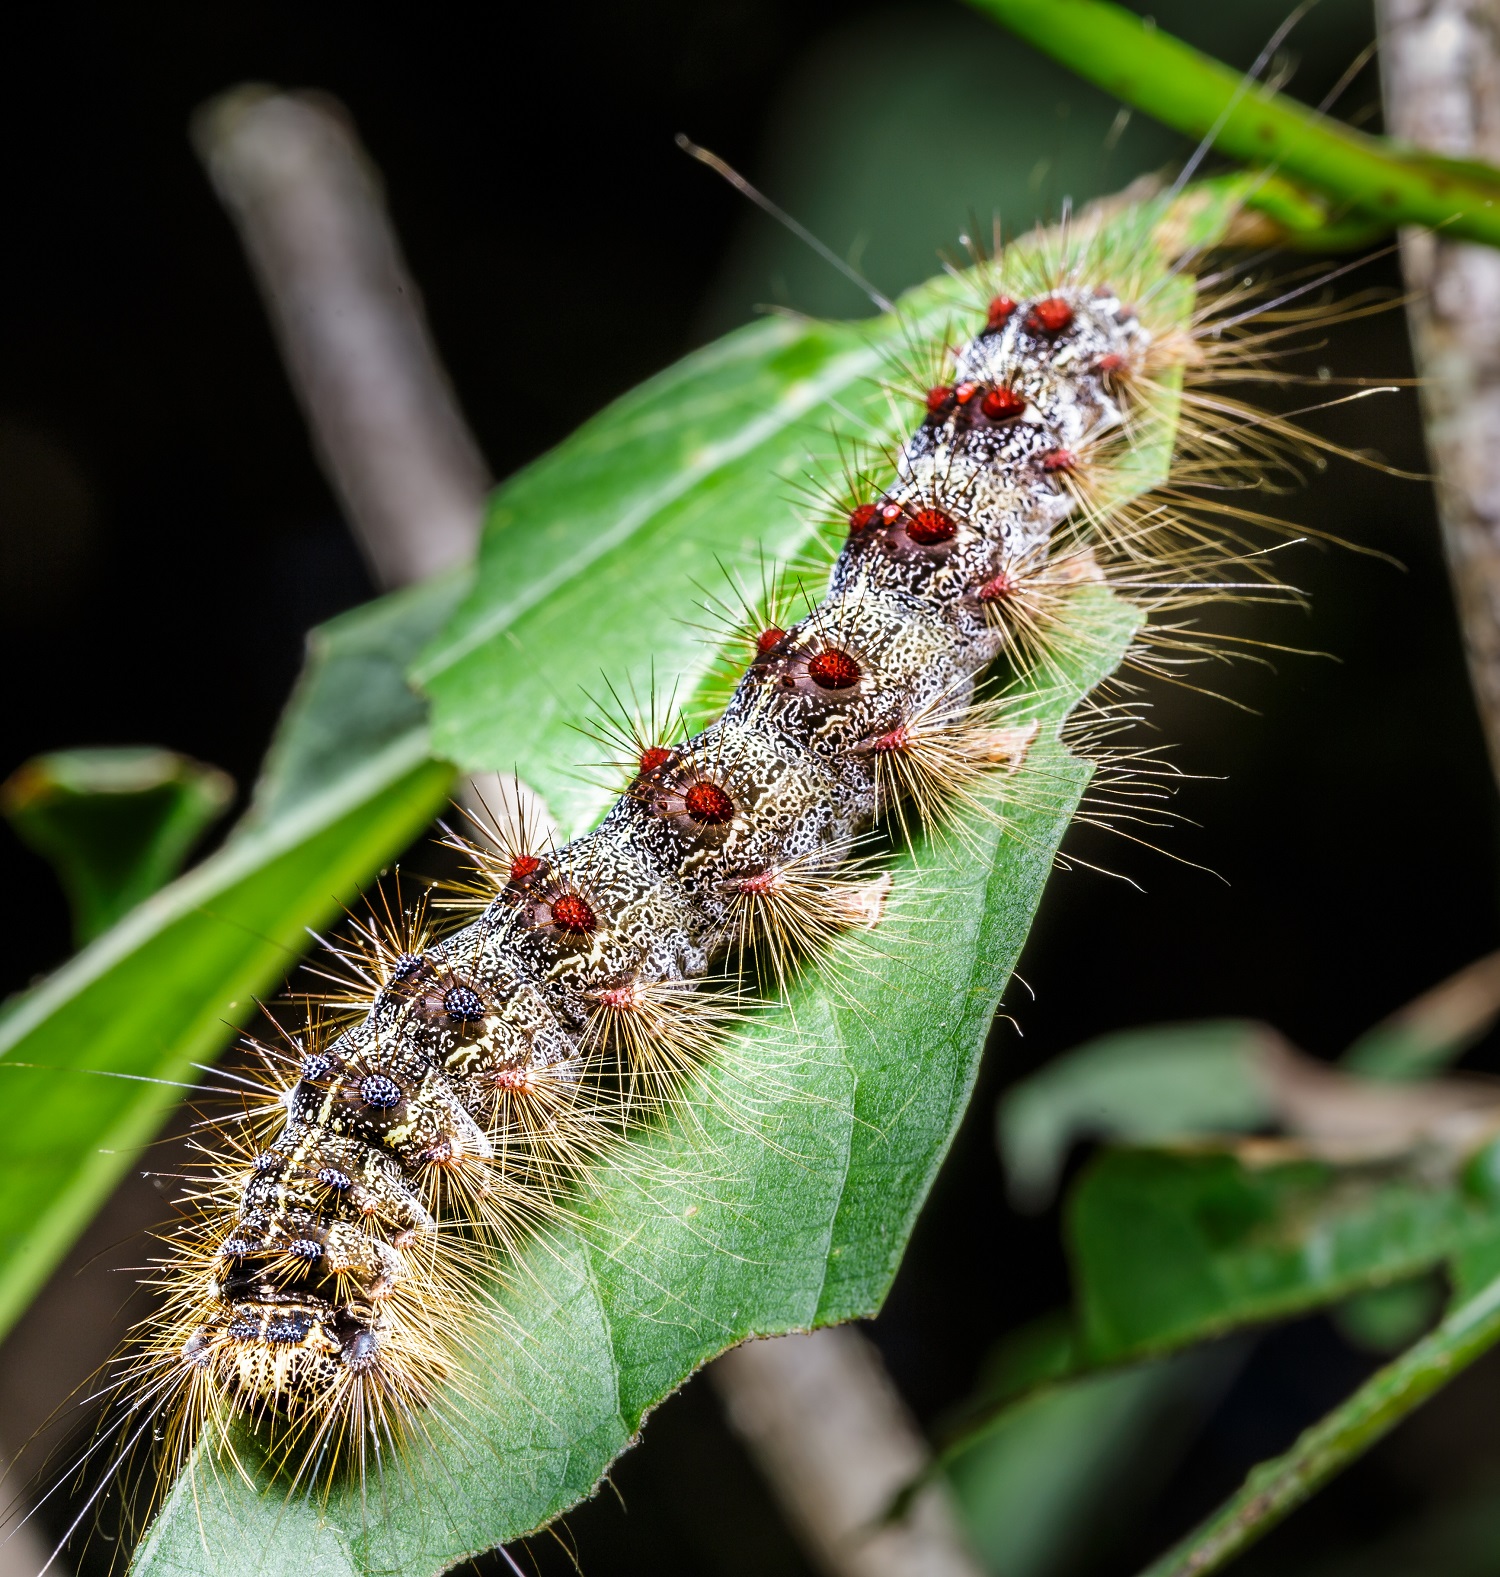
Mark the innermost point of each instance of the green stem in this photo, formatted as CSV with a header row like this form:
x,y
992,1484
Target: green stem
x,y
1304,217
1385,184
1279,1486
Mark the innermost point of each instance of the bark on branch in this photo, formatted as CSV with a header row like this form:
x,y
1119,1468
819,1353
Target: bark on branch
x,y
310,211
834,1440
1440,61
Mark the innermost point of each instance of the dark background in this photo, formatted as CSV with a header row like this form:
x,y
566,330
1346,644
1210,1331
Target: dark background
x,y
166,541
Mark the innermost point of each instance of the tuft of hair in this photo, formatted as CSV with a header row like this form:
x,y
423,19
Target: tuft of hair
x,y
801,908
502,840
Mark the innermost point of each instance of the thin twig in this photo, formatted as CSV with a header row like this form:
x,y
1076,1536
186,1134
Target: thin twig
x,y
1440,61
1278,1487
829,1431
312,217
1380,182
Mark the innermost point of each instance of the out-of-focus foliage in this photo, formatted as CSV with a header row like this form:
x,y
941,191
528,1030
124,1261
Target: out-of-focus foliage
x,y
1189,1228
117,824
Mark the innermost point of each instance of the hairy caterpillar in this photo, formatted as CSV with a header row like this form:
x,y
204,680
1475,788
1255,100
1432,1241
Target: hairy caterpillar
x,y
322,1284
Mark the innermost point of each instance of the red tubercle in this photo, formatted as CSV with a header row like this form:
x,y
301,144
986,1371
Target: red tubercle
x,y
708,804
1001,404
523,867
1059,460
890,513
770,638
999,588
572,913
888,743
1049,316
623,999
761,882
1113,361
940,400
862,518
833,670
964,392
654,756
931,526
1001,310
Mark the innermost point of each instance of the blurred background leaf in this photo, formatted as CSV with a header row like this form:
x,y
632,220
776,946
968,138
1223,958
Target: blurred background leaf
x,y
1188,1233
95,1056
1046,1483
1143,1084
1426,1035
1171,1247
115,823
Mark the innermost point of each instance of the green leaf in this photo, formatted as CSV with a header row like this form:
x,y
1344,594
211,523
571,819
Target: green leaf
x,y
1141,1085
783,1201
353,702
1384,183
595,557
115,823
1385,1319
1169,1248
1049,1462
1060,1473
164,988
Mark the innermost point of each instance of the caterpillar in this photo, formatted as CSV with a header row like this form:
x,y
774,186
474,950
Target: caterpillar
x,y
434,1115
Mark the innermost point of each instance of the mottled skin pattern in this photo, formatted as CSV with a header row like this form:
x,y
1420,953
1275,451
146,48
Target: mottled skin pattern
x,y
334,1214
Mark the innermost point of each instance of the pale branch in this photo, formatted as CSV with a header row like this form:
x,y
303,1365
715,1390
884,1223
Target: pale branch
x,y
1440,62
310,211
833,1438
